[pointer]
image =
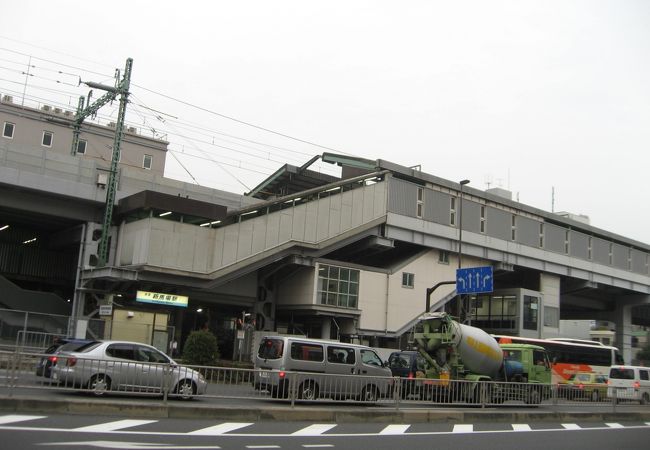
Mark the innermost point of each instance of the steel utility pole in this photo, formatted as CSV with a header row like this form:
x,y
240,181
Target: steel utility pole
x,y
122,89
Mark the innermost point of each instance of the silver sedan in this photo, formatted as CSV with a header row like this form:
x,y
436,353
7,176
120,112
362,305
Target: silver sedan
x,y
121,366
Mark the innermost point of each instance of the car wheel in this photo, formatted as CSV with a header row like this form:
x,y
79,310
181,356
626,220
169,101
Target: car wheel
x,y
99,384
370,394
534,397
308,391
186,389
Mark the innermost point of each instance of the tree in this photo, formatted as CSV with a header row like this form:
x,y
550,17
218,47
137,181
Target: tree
x,y
201,349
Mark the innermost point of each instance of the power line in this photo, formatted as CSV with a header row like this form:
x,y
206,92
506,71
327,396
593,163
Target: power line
x,y
237,120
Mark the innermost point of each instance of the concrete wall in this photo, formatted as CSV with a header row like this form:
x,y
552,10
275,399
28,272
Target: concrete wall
x,y
175,245
299,288
550,289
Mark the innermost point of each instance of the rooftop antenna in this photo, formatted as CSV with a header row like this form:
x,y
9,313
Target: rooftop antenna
x,y
552,199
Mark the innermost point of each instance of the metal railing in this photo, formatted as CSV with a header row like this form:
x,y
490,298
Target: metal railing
x,y
18,371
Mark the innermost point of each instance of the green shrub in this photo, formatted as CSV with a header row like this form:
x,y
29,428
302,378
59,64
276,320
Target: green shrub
x,y
201,349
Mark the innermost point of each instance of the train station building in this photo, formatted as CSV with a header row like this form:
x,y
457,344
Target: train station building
x,y
348,257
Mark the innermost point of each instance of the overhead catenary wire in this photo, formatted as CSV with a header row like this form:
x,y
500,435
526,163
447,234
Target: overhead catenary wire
x,y
171,124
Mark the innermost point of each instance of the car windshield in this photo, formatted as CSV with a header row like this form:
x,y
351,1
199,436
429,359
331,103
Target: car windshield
x,y
71,346
397,361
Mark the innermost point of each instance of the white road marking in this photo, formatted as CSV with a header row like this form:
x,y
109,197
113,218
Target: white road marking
x,y
112,426
463,428
395,429
222,428
520,427
614,425
262,446
317,445
13,418
314,430
571,426
131,445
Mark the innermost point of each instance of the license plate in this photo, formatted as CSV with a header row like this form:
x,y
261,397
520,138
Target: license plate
x,y
55,376
264,374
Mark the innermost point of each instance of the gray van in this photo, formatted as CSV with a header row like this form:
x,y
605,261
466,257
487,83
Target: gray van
x,y
314,368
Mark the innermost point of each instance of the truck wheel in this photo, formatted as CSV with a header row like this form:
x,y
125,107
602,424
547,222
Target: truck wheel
x,y
595,396
534,397
308,391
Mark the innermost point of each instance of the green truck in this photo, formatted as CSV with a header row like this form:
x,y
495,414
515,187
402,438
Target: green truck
x,y
467,364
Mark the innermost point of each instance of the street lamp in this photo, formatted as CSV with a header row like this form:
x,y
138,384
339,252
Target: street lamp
x,y
460,240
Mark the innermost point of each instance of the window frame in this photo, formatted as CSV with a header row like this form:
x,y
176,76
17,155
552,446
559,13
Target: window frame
x,y
51,136
408,280
85,146
13,130
144,160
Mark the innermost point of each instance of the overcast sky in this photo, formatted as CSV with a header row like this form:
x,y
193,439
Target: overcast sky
x,y
527,96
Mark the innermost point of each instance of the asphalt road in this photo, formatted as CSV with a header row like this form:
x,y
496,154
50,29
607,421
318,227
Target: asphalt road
x,y
92,432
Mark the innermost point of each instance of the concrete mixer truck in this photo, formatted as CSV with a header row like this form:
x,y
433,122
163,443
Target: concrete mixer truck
x,y
462,358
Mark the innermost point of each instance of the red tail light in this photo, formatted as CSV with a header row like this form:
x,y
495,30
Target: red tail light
x,y
581,386
282,374
52,359
411,375
71,362
637,385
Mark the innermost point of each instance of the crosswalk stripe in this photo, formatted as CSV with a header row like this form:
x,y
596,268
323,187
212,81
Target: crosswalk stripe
x,y
520,427
571,426
13,418
114,426
395,429
614,425
463,428
222,428
314,430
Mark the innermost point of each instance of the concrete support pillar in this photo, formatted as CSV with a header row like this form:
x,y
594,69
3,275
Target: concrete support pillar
x,y
622,317
326,328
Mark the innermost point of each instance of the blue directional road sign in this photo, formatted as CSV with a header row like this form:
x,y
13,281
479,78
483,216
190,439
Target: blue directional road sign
x,y
473,280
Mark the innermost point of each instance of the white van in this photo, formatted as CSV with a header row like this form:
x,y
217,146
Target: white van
x,y
313,368
629,383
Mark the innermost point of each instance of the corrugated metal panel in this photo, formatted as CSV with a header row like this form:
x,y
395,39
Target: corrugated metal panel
x,y
639,260
619,256
402,197
527,231
579,245
600,251
498,223
471,216
554,238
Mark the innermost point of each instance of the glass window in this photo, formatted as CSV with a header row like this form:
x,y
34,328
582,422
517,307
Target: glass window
x,y
621,373
443,257
643,375
48,137
420,202
408,279
306,352
8,130
121,351
271,349
150,355
371,358
81,147
338,286
452,211
340,355
147,161
531,305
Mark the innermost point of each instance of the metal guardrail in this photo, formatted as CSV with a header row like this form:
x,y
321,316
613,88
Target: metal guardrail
x,y
137,378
